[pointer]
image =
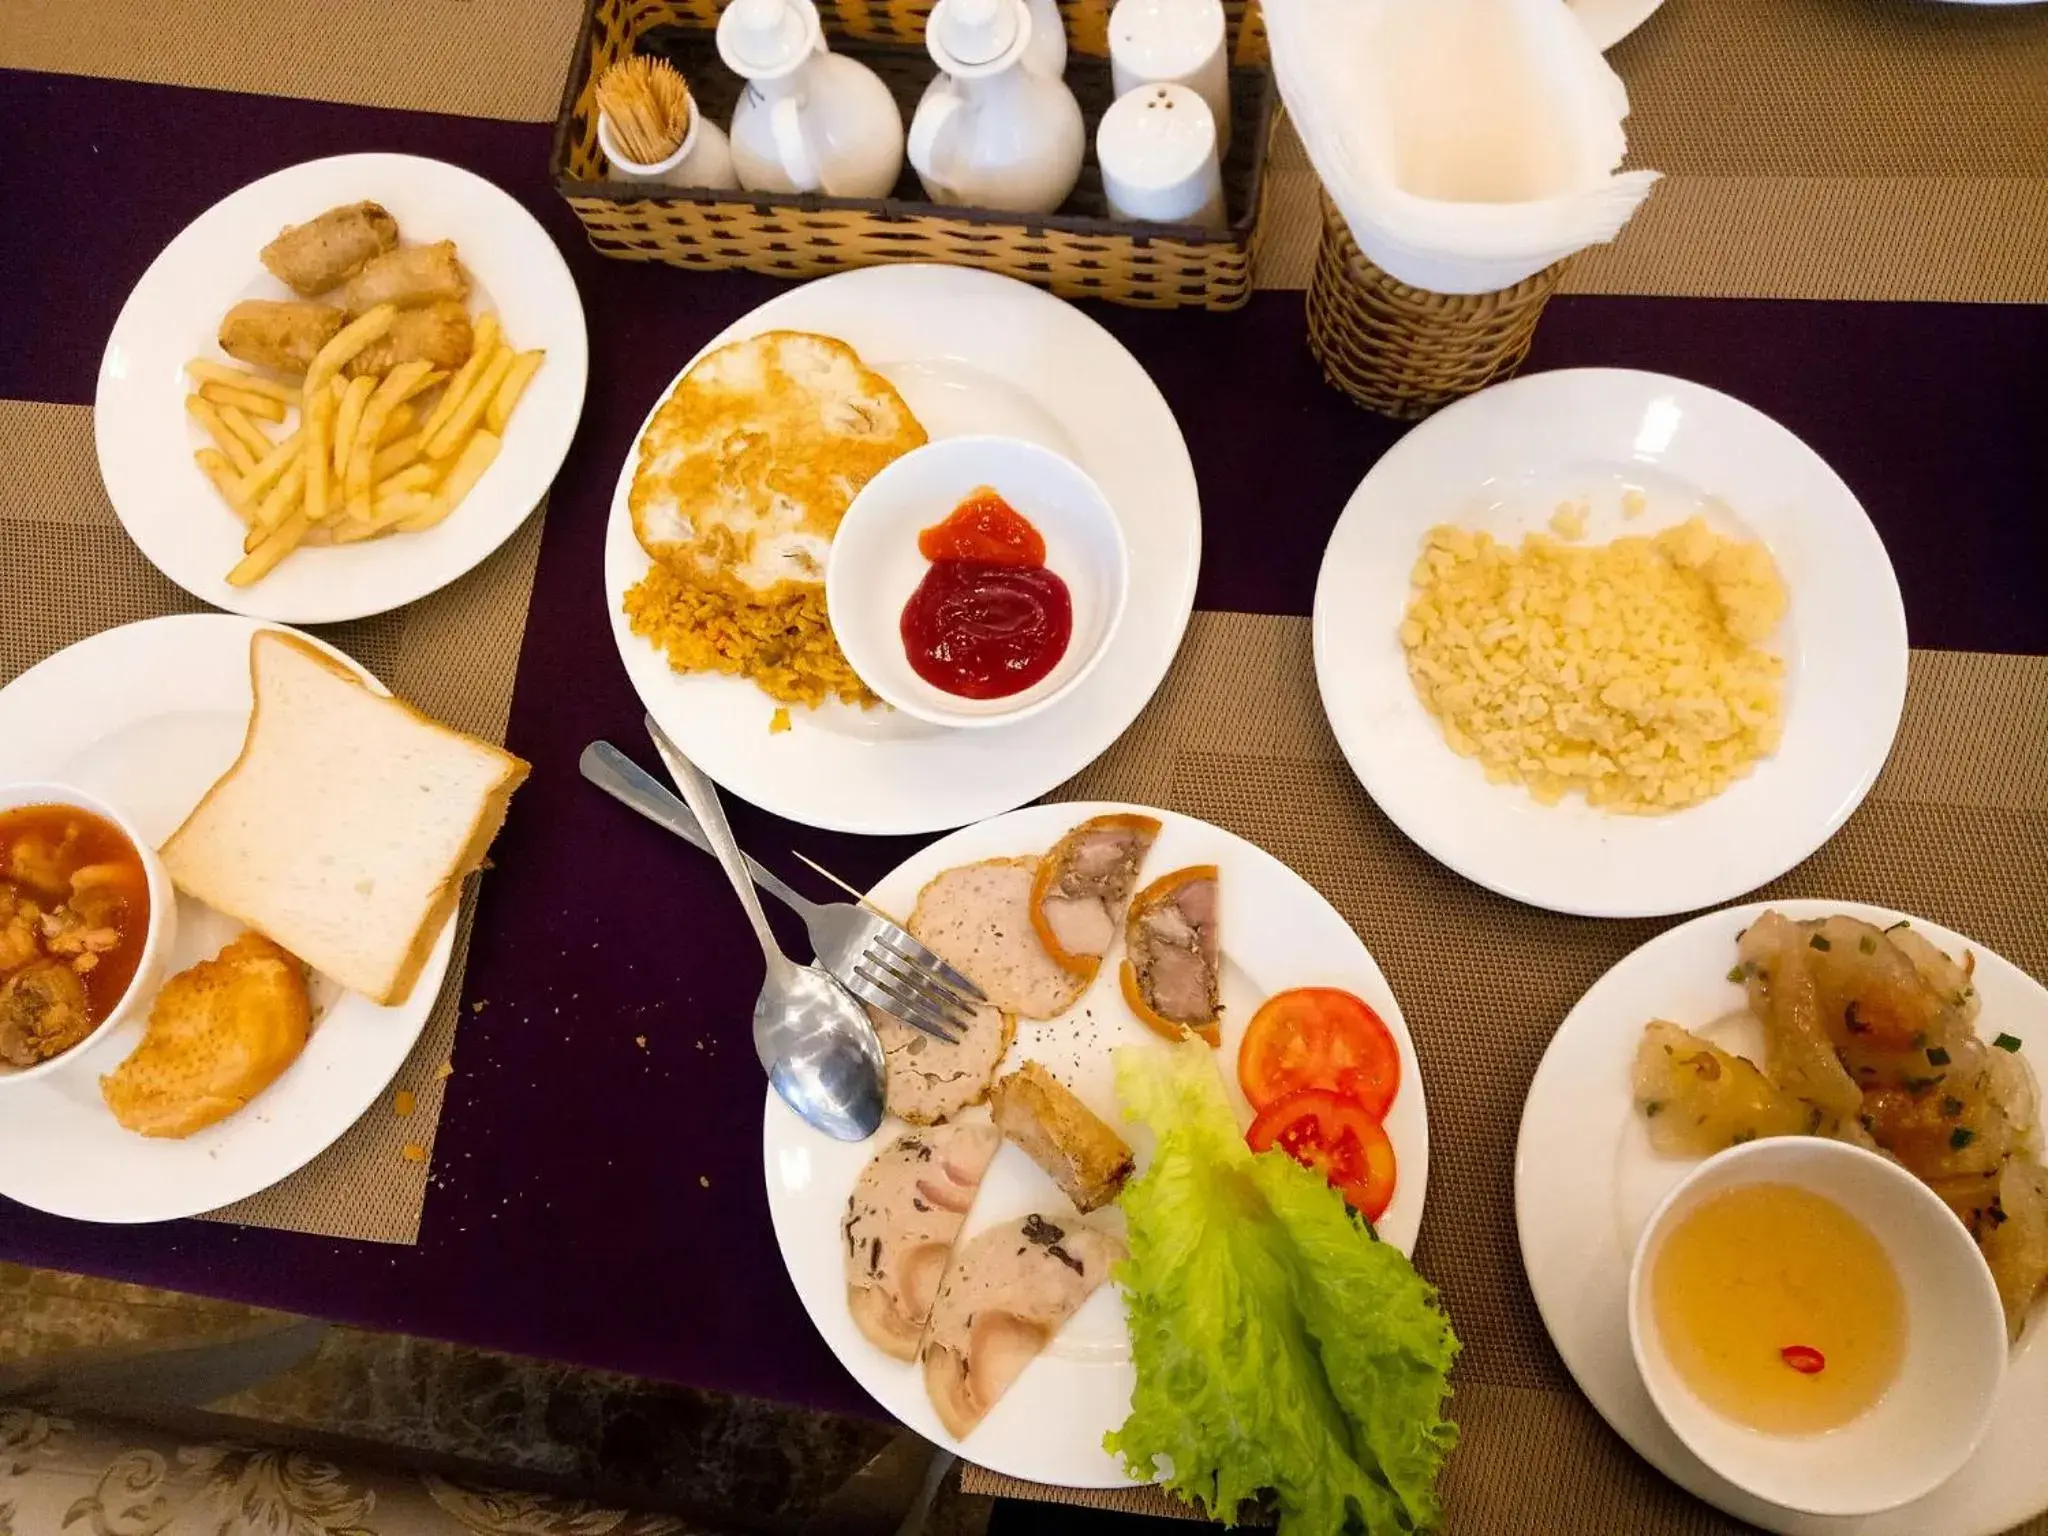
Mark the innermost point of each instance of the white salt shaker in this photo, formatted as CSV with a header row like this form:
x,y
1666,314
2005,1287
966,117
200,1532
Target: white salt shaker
x,y
1173,42
1157,149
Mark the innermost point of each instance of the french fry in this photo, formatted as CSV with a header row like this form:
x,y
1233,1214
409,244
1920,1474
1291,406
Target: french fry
x,y
398,384
401,417
421,522
516,379
208,416
483,346
464,473
273,547
224,479
446,441
414,477
262,407
284,497
346,530
269,470
206,371
251,435
322,492
386,513
393,457
353,399
345,344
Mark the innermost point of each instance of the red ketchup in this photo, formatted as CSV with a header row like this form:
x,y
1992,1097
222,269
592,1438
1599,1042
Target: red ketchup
x,y
989,619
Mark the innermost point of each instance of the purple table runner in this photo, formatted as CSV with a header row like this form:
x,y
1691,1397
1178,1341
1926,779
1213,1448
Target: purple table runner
x,y
597,1201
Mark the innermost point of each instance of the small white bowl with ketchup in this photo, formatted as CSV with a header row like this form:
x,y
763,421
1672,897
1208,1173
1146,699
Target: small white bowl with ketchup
x,y
977,580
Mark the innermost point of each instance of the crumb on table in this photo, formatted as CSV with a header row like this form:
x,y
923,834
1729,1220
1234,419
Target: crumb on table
x,y
779,721
413,1152
402,1103
444,1071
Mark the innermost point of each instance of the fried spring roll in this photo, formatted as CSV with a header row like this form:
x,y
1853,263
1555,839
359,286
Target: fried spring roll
x,y
326,252
419,274
439,334
285,335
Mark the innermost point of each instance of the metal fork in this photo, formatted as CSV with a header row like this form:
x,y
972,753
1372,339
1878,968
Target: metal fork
x,y
873,958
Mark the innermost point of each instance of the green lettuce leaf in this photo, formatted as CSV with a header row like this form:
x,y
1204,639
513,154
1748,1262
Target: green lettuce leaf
x,y
1279,1344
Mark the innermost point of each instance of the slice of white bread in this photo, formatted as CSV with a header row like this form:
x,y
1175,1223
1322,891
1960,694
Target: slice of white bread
x,y
346,827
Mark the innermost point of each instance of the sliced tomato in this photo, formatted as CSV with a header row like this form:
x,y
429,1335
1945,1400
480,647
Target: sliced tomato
x,y
1338,1138
1319,1037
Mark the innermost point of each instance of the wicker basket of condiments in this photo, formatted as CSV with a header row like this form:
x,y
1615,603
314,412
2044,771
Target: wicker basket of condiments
x,y
1078,251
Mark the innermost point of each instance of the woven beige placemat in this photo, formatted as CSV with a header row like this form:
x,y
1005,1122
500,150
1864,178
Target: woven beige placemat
x,y
68,571
1956,828
477,58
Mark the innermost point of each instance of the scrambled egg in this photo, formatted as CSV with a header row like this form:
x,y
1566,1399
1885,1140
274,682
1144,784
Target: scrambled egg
x,y
1628,671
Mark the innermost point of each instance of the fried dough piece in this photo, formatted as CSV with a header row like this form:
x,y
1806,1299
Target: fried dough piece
x,y
438,333
1073,1144
286,335
419,274
324,252
219,1034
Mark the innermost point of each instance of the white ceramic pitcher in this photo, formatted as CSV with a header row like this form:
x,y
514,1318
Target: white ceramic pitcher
x,y
809,120
992,131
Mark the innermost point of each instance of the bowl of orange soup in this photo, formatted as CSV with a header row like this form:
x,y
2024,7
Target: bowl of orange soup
x,y
1816,1326
87,919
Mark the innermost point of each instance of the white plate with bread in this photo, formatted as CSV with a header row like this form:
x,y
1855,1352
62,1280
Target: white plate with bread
x,y
234,311
282,784
1276,933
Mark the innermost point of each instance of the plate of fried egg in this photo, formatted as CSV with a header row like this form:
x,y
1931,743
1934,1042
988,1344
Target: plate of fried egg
x,y
723,521
1610,643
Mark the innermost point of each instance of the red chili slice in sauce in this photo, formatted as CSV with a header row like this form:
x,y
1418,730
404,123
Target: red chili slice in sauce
x,y
988,619
1804,1359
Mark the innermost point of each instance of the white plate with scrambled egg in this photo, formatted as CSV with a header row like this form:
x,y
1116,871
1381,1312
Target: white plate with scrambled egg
x,y
959,352
1610,643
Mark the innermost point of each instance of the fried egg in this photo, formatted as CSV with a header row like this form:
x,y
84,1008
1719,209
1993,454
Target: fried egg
x,y
751,462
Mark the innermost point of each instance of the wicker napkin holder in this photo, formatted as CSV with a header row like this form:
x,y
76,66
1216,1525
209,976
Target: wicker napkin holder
x,y
1403,351
1078,252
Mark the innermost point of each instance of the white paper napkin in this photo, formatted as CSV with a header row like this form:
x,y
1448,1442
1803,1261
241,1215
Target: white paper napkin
x,y
1468,143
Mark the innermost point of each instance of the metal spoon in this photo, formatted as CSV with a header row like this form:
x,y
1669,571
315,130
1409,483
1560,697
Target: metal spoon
x,y
820,1050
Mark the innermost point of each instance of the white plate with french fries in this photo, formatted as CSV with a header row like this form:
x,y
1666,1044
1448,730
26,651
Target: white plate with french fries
x,y
340,388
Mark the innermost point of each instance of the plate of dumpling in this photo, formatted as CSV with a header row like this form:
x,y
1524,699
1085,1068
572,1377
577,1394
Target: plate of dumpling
x,y
725,512
340,388
962,1262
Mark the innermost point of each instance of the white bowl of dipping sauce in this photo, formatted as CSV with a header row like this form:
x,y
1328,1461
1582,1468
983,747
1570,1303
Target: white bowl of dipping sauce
x,y
103,839
876,568
1816,1326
